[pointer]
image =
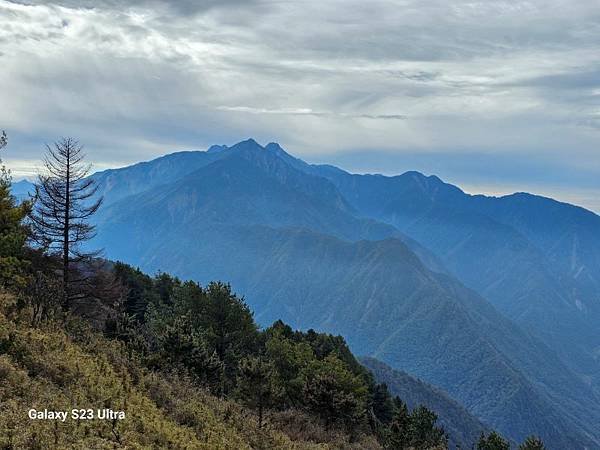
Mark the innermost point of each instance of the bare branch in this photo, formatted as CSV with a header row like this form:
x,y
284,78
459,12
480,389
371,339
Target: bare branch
x,y
63,207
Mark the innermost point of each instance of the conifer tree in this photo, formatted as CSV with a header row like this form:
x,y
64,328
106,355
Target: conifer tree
x,y
399,426
333,392
415,430
424,434
229,329
382,404
532,443
256,386
492,441
64,204
13,234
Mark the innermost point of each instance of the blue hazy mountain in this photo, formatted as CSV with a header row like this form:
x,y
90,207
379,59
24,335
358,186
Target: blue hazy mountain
x,y
115,184
320,206
22,189
536,259
308,244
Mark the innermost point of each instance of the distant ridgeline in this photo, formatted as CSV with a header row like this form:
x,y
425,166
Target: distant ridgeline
x,y
494,300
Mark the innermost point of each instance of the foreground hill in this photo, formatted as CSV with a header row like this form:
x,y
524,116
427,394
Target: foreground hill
x,y
48,369
296,247
192,371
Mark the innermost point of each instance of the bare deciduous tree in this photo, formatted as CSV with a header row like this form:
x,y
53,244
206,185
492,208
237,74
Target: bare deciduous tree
x,y
64,203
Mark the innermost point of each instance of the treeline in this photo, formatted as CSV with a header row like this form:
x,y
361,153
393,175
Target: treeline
x,y
209,333
204,333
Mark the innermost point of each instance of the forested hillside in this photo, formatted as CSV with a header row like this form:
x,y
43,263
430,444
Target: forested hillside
x,y
190,369
65,366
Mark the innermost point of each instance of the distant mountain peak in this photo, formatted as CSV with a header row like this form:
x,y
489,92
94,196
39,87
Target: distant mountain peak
x,y
429,184
274,146
278,150
22,189
216,148
419,176
248,142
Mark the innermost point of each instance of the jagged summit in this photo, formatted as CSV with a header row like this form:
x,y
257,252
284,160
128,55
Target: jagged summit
x,y
216,148
249,143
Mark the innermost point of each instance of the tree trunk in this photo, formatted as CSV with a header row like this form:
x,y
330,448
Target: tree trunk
x,y
260,415
66,234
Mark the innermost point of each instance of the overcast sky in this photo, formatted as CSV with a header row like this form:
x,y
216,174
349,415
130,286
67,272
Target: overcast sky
x,y
493,96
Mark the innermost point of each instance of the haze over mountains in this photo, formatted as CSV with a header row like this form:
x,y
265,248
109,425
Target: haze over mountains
x,y
493,300
537,260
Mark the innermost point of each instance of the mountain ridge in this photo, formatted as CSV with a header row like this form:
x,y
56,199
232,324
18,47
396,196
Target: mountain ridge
x,y
510,249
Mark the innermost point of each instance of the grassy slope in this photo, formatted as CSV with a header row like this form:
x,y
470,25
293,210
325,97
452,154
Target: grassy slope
x,y
45,368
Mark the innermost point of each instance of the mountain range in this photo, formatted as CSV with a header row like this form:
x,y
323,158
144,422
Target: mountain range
x,y
537,260
493,300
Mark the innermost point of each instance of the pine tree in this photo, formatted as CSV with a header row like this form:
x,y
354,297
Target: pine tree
x,y
415,430
333,392
492,441
256,385
64,205
382,404
532,443
288,358
13,234
424,434
399,437
228,327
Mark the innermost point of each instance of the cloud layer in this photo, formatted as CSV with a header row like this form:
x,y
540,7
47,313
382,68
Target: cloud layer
x,y
519,81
